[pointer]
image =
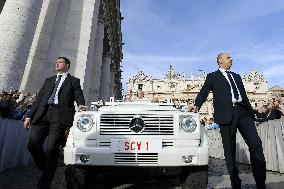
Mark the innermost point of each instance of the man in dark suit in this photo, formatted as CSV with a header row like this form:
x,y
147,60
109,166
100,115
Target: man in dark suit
x,y
232,111
51,114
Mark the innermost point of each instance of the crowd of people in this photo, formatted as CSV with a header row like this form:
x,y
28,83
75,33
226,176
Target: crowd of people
x,y
15,104
273,109
270,111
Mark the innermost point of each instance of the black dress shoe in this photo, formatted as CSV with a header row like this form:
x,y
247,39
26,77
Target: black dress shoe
x,y
43,183
43,186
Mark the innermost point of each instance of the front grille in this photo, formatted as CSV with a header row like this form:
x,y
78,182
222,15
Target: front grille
x,y
118,124
166,144
136,158
104,144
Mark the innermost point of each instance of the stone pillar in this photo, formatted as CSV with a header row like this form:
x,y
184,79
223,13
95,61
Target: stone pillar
x,y
111,82
79,38
105,79
18,21
86,48
46,44
94,86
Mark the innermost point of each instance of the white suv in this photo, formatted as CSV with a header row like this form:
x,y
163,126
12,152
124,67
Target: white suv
x,y
136,135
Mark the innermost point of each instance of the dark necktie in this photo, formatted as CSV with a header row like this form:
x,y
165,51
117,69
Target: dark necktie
x,y
51,98
235,91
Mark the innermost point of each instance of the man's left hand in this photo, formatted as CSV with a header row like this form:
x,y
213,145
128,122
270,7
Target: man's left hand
x,y
82,108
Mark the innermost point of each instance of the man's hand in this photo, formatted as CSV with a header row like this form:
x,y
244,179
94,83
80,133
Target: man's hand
x,y
27,123
194,109
82,108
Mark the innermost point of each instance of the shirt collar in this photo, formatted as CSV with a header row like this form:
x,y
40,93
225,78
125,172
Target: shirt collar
x,y
223,70
63,75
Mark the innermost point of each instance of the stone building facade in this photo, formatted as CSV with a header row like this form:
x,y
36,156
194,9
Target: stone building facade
x,y
88,32
277,92
181,89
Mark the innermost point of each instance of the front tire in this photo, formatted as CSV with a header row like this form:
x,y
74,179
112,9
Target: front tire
x,y
194,177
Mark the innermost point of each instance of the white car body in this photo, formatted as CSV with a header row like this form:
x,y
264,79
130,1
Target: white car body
x,y
162,142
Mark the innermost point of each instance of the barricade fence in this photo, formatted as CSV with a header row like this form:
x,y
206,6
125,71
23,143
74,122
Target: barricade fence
x,y
13,144
272,137
14,138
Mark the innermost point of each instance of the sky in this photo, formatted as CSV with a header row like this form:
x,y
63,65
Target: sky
x,y
189,34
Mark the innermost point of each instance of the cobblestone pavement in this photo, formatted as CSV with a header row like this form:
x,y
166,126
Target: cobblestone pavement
x,y
27,177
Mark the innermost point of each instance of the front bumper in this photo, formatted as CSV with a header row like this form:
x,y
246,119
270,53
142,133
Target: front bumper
x,y
170,156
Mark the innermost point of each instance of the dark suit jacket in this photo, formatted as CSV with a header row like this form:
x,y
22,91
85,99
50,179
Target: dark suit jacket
x,y
222,97
69,92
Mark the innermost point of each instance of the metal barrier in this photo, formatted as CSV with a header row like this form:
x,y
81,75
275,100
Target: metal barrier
x,y
13,145
272,136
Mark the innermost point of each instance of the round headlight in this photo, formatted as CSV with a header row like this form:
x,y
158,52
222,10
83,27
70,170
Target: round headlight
x,y
85,123
188,124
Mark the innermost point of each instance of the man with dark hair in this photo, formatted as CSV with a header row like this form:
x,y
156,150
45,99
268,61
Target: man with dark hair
x,y
232,111
51,114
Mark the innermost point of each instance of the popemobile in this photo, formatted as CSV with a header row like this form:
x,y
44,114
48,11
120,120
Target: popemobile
x,y
136,138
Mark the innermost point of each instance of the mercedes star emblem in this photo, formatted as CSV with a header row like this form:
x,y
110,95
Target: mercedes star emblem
x,y
137,124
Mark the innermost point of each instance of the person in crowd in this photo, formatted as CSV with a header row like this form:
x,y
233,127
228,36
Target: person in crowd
x,y
127,98
261,111
212,124
278,108
203,121
4,105
23,106
16,105
281,104
271,113
232,111
140,94
51,114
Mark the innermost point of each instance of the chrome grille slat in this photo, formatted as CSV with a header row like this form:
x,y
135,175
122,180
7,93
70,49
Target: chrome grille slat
x,y
118,124
136,158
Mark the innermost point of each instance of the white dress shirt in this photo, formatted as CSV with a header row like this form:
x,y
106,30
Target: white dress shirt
x,y
226,76
64,75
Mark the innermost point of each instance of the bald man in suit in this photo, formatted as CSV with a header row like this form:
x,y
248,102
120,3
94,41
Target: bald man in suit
x,y
232,111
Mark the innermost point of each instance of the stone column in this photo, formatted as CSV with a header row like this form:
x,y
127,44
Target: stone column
x,y
94,86
111,81
18,21
105,78
79,38
46,44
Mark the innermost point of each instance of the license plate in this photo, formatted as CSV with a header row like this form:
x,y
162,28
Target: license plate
x,y
135,146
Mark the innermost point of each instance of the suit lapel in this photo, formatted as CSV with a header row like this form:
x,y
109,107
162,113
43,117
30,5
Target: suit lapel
x,y
51,84
220,74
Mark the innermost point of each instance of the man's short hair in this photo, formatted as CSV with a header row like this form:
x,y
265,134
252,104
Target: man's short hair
x,y
67,61
218,57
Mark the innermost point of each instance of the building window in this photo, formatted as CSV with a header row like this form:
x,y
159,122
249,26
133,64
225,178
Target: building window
x,y
140,86
172,85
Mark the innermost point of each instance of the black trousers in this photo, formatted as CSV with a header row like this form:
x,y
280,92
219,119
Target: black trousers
x,y
245,124
47,161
